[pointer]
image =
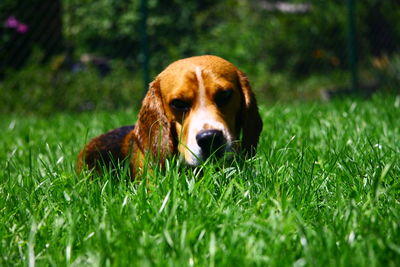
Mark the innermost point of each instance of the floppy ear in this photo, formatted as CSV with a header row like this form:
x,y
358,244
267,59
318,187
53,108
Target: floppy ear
x,y
153,130
250,120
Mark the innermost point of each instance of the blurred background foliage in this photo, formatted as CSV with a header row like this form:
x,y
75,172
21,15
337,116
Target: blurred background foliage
x,y
73,55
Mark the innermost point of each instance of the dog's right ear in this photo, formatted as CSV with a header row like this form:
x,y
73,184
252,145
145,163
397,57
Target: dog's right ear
x,y
153,130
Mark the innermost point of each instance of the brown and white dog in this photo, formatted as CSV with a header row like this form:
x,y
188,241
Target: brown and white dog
x,y
196,107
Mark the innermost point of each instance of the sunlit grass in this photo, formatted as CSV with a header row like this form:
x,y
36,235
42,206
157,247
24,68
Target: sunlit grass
x,y
324,189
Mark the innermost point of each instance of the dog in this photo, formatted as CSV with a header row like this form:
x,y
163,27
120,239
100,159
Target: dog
x,y
196,108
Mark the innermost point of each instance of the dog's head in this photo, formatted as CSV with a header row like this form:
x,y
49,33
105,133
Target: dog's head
x,y
199,106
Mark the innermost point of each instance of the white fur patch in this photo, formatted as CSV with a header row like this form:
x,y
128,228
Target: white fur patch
x,y
202,89
201,118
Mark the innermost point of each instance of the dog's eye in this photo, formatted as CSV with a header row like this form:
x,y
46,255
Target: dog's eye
x,y
223,97
180,105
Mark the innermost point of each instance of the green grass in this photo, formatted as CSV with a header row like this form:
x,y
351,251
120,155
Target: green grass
x,y
324,189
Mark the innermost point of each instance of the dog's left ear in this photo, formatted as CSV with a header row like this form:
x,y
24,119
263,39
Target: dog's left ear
x,y
153,130
250,120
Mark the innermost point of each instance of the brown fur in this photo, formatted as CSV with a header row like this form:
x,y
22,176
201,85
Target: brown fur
x,y
158,125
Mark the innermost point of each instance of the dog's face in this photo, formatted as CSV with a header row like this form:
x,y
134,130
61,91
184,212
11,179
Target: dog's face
x,y
202,100
205,103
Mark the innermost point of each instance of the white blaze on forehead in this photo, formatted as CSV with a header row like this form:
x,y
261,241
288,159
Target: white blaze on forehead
x,y
201,119
202,89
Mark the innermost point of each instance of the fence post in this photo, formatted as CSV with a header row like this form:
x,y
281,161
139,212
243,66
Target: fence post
x,y
144,43
352,45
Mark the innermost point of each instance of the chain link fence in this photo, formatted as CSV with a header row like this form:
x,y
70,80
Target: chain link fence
x,y
81,55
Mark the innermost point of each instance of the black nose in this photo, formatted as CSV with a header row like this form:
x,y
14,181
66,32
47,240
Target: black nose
x,y
210,141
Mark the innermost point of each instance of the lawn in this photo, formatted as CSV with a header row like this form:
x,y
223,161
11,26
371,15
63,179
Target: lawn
x,y
324,189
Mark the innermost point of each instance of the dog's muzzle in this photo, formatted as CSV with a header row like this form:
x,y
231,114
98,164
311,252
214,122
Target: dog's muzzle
x,y
211,142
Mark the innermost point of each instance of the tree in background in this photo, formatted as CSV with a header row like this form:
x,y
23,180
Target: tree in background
x,y
275,42
280,39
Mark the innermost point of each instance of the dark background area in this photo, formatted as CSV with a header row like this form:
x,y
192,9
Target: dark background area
x,y
71,55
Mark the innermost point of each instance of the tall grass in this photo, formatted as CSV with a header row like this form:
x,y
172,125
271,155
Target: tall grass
x,y
323,190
